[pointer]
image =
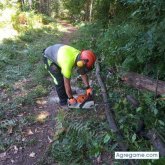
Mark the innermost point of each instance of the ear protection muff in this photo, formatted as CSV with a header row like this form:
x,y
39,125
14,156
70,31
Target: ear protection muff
x,y
80,63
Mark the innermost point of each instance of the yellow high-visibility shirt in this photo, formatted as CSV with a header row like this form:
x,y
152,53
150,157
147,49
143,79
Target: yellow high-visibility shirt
x,y
64,56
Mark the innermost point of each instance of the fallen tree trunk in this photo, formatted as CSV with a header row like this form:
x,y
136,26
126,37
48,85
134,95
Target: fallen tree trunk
x,y
156,141
143,82
109,115
153,136
108,110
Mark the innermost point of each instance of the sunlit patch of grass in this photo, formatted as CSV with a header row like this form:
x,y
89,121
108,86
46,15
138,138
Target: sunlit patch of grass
x,y
61,28
6,15
42,116
23,78
41,102
6,29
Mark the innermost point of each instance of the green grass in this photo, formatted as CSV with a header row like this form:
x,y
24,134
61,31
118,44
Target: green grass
x,y
23,79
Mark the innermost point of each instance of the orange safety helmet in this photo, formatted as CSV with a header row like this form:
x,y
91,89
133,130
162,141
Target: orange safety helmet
x,y
89,57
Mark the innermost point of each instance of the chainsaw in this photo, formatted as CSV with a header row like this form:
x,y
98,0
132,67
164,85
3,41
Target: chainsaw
x,y
83,102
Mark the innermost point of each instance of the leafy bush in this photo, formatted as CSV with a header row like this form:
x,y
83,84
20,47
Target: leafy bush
x,y
87,36
47,20
23,21
134,41
75,9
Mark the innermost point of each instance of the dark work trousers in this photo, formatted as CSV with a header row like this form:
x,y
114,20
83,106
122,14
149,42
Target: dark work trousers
x,y
55,72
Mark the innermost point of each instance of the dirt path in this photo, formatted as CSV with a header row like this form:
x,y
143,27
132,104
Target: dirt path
x,y
8,31
69,32
36,138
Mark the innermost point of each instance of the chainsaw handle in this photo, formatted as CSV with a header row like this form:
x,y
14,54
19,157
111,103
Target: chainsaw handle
x,y
88,98
89,91
72,101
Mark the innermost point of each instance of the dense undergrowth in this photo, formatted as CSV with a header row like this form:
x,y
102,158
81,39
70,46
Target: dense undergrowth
x,y
131,41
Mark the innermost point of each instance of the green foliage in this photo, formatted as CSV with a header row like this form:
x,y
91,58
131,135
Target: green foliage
x,y
46,20
23,78
77,141
128,46
129,40
87,35
150,110
104,6
147,45
159,161
31,97
24,21
4,143
150,11
8,123
75,9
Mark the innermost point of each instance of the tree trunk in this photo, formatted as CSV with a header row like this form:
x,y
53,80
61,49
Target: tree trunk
x,y
90,12
87,11
21,2
30,3
109,115
108,110
156,141
43,7
143,82
48,8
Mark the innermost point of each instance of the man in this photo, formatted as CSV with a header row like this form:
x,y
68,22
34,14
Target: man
x,y
59,60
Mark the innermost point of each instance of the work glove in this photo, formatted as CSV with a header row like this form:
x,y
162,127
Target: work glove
x,y
89,91
72,101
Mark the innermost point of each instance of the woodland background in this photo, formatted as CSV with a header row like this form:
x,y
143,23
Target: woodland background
x,y
126,35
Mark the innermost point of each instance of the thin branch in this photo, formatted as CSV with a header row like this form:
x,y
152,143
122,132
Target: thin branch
x,y
157,81
108,110
109,114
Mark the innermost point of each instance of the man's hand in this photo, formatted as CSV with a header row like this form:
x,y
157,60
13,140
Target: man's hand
x,y
89,91
72,101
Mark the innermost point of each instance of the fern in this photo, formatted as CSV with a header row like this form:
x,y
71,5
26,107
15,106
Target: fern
x,y
76,139
78,126
8,123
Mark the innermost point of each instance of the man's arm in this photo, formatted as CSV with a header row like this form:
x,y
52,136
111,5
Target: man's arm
x,y
85,80
68,87
72,100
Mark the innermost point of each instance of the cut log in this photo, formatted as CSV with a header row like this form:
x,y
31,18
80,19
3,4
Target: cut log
x,y
156,141
153,136
143,82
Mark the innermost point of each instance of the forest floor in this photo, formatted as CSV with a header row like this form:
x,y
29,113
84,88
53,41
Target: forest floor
x,y
36,137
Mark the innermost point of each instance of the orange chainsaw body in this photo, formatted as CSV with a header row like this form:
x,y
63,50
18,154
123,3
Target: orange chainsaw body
x,y
80,99
84,101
